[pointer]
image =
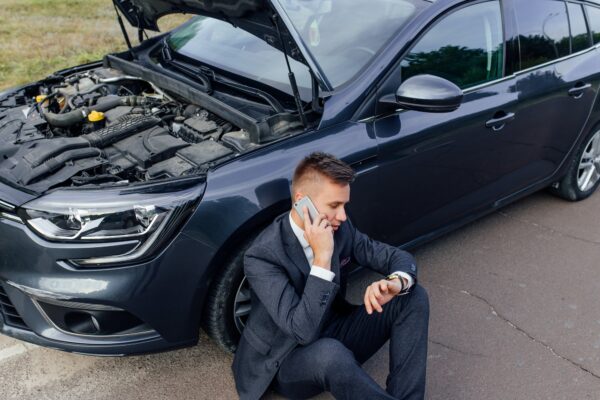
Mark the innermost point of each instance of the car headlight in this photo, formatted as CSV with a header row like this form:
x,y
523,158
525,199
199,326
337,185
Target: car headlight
x,y
143,214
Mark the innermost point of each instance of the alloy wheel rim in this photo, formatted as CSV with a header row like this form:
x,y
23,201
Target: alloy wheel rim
x,y
588,172
241,305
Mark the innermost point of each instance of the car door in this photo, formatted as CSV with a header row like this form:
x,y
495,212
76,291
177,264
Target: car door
x,y
438,168
556,83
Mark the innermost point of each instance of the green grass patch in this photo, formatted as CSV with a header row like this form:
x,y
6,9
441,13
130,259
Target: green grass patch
x,y
38,37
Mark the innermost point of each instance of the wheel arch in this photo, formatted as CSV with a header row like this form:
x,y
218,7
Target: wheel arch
x,y
241,236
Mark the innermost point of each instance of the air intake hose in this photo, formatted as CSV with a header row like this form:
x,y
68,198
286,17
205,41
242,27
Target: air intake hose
x,y
109,135
71,118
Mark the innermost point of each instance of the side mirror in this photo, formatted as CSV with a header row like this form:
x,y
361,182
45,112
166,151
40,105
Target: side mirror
x,y
427,93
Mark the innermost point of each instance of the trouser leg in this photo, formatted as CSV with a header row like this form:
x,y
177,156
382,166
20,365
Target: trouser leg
x,y
404,321
326,365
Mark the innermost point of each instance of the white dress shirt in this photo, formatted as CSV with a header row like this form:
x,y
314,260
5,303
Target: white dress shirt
x,y
326,274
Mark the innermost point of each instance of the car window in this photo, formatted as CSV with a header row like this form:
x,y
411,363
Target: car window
x,y
593,14
466,47
580,38
543,31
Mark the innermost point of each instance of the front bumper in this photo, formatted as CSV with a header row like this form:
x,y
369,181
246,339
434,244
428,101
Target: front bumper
x,y
165,294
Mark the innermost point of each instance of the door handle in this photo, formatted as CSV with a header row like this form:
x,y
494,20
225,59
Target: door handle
x,y
499,121
577,91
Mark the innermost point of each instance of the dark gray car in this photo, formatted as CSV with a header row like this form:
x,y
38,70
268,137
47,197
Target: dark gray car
x,y
129,188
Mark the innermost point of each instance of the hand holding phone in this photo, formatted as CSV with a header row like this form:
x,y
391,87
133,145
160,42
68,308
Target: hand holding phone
x,y
317,231
312,210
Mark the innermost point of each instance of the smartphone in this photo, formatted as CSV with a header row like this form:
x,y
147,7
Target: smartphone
x,y
312,210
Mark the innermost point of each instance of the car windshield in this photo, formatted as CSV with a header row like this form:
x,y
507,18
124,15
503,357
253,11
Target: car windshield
x,y
342,36
232,49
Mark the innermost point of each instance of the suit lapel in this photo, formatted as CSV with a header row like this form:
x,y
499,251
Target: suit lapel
x,y
296,255
335,260
298,258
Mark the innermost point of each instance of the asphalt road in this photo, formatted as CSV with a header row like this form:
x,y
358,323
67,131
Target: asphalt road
x,y
514,315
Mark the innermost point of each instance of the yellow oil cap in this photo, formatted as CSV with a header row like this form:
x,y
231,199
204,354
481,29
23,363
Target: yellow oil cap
x,y
40,97
95,116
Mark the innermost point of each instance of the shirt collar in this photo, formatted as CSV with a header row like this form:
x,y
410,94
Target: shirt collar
x,y
298,232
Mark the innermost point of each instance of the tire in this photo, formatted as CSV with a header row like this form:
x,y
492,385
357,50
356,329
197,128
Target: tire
x,y
229,295
575,186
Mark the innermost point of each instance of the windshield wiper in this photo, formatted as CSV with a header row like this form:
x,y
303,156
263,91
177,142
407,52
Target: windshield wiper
x,y
271,100
194,73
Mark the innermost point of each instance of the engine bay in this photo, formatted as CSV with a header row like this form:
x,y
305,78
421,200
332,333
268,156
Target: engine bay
x,y
104,126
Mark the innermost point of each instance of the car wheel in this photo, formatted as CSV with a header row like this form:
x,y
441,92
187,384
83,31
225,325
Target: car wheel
x,y
583,176
228,304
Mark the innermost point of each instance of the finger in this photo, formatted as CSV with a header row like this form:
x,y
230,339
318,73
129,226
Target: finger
x,y
306,216
367,302
375,290
319,219
383,286
324,224
374,302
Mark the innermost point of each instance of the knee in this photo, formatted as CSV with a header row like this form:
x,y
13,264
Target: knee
x,y
333,356
419,300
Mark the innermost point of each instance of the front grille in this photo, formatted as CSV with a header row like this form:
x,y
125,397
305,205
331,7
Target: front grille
x,y
11,315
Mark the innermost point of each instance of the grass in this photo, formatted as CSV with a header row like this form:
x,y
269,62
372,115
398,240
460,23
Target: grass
x,y
38,37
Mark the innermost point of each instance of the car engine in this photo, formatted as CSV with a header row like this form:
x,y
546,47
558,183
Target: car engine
x,y
103,126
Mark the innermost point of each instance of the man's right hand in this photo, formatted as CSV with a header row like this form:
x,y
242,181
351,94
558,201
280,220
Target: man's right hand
x,y
319,235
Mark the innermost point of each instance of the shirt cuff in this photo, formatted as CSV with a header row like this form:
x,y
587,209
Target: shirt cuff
x,y
409,279
322,273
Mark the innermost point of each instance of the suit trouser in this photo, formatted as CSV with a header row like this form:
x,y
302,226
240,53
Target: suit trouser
x,y
333,362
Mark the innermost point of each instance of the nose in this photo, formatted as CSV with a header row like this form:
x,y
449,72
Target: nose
x,y
341,215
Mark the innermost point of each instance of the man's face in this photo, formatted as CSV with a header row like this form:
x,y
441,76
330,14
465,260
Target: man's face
x,y
329,198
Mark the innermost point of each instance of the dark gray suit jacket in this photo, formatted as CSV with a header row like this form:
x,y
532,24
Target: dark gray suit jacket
x,y
289,306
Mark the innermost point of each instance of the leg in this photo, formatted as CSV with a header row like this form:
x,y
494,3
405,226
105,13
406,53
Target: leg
x,y
325,364
405,322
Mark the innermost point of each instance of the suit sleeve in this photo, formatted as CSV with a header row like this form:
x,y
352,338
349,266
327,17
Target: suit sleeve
x,y
380,257
301,317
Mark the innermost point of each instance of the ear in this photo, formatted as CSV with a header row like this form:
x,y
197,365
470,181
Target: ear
x,y
298,196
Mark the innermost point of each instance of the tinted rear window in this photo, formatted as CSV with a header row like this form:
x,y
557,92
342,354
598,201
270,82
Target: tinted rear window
x,y
594,20
543,31
579,31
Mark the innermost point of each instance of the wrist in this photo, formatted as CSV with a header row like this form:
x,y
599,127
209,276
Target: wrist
x,y
398,280
322,261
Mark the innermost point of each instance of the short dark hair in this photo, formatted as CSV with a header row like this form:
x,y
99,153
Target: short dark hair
x,y
324,164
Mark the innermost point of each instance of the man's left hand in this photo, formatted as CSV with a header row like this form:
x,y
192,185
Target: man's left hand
x,y
381,292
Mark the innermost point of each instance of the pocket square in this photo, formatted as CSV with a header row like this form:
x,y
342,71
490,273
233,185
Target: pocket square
x,y
344,261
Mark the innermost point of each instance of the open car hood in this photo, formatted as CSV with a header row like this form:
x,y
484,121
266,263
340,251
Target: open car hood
x,y
254,16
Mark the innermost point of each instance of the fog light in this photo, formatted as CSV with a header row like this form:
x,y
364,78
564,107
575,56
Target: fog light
x,y
90,319
82,323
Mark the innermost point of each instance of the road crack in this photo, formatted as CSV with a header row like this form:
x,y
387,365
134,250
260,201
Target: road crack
x,y
457,350
521,330
547,228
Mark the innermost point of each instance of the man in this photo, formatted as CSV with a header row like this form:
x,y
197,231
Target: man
x,y
301,335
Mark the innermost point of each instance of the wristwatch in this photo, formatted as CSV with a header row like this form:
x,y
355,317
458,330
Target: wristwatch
x,y
394,276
